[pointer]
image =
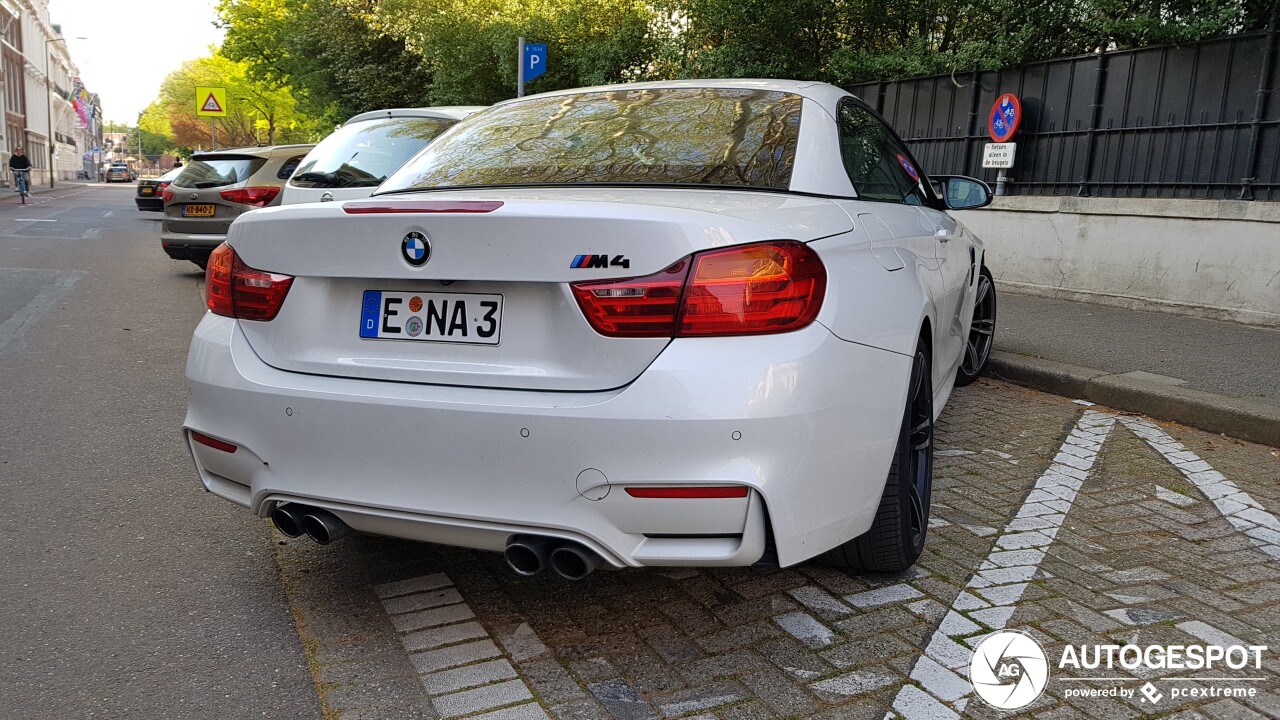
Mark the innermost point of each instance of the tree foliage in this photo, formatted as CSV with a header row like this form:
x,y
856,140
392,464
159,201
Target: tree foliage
x,y
331,52
471,45
346,56
258,111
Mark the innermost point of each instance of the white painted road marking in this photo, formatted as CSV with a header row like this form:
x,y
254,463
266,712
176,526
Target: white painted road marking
x,y
1001,579
992,594
1242,511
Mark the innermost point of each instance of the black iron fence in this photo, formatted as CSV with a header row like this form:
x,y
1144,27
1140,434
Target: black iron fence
x,y
1194,121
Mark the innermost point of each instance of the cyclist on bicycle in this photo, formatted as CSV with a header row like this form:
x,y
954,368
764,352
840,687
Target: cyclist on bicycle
x,y
20,164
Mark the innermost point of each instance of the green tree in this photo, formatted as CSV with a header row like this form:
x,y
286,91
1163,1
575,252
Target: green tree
x,y
258,112
470,45
330,52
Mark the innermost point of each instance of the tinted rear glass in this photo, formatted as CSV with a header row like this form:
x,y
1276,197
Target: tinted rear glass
x,y
217,172
698,136
363,154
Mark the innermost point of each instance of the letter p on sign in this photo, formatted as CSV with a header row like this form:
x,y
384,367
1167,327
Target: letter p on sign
x,y
535,60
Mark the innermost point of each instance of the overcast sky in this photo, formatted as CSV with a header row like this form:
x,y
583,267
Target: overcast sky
x,y
132,45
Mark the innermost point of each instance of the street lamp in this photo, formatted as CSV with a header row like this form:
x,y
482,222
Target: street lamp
x,y
49,88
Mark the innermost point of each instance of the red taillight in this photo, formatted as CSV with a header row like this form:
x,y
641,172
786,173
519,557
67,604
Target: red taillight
x,y
689,493
214,443
254,196
768,287
638,307
167,194
765,288
236,290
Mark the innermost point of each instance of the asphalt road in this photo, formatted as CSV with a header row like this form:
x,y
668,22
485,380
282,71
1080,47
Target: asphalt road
x,y
128,591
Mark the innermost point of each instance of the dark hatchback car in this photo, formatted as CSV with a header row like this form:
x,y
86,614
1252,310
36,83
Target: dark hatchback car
x,y
150,191
216,188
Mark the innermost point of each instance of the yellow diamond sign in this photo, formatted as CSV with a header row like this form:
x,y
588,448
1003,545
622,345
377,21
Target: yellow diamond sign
x,y
211,101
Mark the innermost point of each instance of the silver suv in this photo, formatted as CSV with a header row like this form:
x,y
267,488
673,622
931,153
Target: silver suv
x,y
216,188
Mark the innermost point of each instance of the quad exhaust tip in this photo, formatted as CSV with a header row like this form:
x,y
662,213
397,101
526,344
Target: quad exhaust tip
x,y
530,555
318,524
573,562
288,519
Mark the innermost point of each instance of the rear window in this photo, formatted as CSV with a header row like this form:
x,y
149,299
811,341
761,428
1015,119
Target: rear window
x,y
678,136
217,172
364,154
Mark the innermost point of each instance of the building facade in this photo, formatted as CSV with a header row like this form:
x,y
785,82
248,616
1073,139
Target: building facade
x,y
46,109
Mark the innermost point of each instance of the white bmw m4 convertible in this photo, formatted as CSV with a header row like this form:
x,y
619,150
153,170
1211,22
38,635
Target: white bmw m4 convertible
x,y
687,323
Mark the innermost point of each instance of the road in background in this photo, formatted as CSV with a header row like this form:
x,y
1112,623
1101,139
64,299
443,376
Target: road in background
x,y
128,592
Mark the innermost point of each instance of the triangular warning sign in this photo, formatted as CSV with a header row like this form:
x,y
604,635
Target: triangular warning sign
x,y
211,105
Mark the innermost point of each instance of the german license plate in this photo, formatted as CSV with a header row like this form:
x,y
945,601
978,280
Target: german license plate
x,y
433,317
197,211
148,190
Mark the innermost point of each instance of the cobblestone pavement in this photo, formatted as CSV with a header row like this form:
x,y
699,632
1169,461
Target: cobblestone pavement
x,y
1073,524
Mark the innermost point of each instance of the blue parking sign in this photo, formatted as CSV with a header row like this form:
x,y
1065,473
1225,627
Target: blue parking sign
x,y
535,60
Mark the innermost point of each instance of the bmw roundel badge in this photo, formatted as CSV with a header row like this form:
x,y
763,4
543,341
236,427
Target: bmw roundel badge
x,y
416,249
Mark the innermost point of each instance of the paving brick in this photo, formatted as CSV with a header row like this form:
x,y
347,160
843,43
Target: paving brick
x,y
440,636
780,693
805,628
698,700
528,711
855,683
422,601
481,698
621,700
423,583
454,655
430,618
892,594
447,681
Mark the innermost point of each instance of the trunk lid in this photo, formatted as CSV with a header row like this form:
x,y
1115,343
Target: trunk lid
x,y
524,252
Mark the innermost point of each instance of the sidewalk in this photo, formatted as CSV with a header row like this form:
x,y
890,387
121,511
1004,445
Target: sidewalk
x,y
9,195
1218,376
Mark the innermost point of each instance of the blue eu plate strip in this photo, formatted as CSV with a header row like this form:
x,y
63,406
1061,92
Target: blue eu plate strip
x,y
369,314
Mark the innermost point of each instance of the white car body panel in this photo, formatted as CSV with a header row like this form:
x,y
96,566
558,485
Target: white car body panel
x,y
311,439
521,436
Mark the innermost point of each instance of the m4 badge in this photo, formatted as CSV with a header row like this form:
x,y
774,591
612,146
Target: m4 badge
x,y
600,261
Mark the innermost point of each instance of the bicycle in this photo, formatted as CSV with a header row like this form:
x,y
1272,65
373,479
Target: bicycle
x,y
24,188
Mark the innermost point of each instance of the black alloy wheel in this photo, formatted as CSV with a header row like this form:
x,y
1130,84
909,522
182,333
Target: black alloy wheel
x,y
982,331
901,524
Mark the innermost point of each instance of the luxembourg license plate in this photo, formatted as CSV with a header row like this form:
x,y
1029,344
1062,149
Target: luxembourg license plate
x,y
197,211
433,317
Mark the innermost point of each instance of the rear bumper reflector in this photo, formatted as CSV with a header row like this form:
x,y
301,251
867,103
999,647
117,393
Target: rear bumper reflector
x,y
737,491
214,443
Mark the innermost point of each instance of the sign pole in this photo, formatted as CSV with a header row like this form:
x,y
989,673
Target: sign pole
x,y
520,68
213,138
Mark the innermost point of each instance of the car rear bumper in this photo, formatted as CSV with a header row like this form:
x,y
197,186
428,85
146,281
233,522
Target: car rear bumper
x,y
181,246
807,422
150,204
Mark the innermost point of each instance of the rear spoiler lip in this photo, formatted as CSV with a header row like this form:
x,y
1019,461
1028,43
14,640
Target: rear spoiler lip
x,y
421,206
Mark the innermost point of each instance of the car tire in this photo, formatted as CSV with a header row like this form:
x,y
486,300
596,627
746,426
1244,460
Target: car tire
x,y
202,264
901,524
982,331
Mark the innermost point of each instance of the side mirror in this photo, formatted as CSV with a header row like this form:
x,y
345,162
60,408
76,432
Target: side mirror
x,y
962,193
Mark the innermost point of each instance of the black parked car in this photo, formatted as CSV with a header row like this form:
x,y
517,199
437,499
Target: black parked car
x,y
150,190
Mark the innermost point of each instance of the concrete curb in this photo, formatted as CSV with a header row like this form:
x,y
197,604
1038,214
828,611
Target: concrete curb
x,y
1245,419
